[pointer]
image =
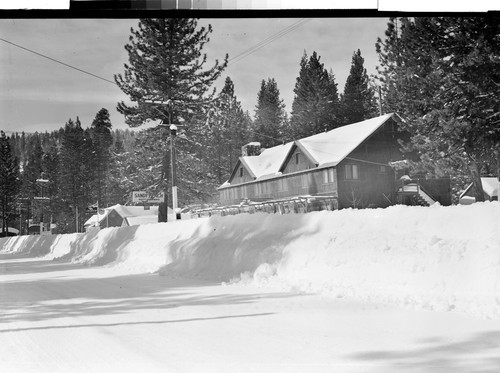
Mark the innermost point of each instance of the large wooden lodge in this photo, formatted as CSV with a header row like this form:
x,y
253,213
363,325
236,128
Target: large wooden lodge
x,y
349,166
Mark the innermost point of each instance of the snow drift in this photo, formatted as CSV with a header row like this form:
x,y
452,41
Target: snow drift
x,y
444,258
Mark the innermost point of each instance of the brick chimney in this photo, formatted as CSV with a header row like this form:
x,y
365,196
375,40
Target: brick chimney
x,y
250,149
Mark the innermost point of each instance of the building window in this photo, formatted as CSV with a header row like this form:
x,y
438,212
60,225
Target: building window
x,y
383,169
297,158
351,172
241,171
328,176
331,175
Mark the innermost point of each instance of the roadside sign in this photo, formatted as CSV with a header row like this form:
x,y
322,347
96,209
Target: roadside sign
x,y
145,197
158,199
140,196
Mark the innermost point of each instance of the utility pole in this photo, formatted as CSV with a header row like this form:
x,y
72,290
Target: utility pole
x,y
173,163
42,182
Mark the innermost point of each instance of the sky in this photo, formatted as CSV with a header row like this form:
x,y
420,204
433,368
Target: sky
x,y
41,95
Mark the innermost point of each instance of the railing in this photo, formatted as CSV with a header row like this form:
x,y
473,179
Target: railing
x,y
302,204
416,188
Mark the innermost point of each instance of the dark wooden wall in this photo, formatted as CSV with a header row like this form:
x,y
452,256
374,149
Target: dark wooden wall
x,y
376,184
113,220
438,189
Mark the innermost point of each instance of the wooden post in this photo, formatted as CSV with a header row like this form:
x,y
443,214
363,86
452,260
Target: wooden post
x,y
76,218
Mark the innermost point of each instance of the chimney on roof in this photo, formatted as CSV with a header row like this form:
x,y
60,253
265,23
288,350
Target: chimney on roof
x,y
251,149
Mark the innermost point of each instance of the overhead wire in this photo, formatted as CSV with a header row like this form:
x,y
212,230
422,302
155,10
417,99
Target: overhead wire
x,y
267,41
57,61
231,61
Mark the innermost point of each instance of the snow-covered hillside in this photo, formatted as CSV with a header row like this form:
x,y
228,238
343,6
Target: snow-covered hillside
x,y
443,258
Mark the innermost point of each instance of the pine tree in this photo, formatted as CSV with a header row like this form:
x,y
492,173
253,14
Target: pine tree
x,y
270,118
446,73
100,133
76,170
315,105
358,100
166,65
391,70
32,169
229,131
9,182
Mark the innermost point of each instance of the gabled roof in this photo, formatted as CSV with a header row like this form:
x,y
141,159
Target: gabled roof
x,y
331,148
323,149
267,163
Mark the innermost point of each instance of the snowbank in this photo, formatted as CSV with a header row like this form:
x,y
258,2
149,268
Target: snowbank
x,y
443,258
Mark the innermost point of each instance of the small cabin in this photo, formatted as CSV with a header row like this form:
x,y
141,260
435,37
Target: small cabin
x,y
118,216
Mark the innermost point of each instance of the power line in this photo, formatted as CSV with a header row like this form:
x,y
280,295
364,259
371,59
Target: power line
x,y
267,41
59,62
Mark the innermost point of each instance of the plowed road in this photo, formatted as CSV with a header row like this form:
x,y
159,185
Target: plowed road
x,y
59,317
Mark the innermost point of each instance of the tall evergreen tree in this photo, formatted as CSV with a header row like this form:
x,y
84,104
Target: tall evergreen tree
x,y
358,100
444,73
32,169
9,182
76,170
315,105
166,65
391,69
270,117
229,131
102,139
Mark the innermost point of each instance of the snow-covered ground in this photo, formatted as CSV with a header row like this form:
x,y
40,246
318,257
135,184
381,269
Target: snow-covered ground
x,y
399,289
437,258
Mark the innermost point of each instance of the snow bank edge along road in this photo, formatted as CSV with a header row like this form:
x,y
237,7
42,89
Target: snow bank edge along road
x,y
444,258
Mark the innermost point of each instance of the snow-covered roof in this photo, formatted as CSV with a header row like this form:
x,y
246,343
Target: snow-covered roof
x,y
490,187
124,212
138,220
268,162
333,146
324,149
